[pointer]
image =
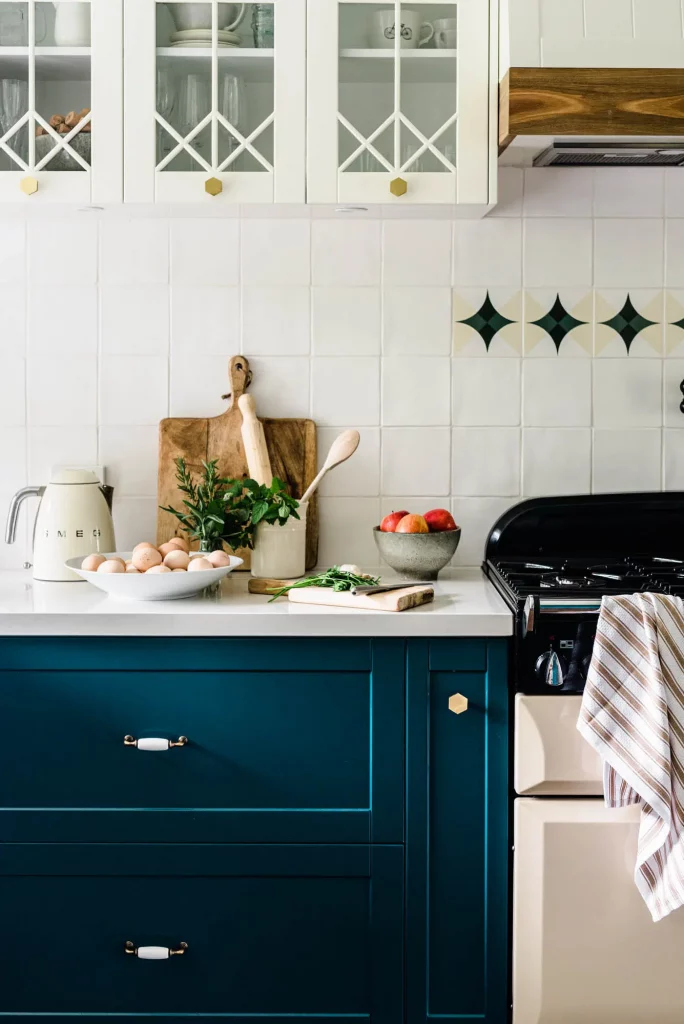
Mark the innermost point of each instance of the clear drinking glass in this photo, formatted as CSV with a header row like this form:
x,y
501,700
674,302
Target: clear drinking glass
x,y
263,25
166,102
194,103
13,104
232,101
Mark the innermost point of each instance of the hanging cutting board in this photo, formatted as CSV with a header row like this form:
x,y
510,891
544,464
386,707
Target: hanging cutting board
x,y
291,446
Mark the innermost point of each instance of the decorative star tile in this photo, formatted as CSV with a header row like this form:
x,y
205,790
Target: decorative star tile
x,y
487,321
558,322
628,323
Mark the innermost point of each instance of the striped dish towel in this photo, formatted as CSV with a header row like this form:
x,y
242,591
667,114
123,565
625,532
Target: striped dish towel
x,y
633,716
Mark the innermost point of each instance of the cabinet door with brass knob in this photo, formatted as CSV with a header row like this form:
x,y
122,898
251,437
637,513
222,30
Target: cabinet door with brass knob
x,y
398,101
214,101
61,137
457,830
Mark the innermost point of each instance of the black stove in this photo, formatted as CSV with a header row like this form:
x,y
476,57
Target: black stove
x,y
553,559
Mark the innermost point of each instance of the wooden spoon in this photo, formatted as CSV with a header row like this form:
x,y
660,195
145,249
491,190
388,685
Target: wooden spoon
x,y
342,448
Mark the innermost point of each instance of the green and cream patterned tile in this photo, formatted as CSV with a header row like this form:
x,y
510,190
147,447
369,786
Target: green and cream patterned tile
x,y
487,322
674,323
628,323
558,322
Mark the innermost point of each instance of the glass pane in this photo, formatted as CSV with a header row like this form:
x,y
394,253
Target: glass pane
x,y
244,87
397,87
62,86
366,90
13,85
428,89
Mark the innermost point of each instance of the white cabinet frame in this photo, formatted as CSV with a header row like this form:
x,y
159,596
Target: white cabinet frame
x,y
102,181
470,184
284,182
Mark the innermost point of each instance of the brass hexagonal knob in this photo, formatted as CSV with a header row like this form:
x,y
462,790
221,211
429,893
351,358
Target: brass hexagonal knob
x,y
458,703
213,186
28,186
398,187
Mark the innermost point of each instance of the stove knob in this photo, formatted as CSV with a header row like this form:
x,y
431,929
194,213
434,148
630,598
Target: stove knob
x,y
551,669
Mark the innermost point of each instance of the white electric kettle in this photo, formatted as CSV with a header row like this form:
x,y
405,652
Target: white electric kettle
x,y
74,518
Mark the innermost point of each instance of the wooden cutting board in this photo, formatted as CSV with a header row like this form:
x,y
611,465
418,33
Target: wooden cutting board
x,y
391,601
291,446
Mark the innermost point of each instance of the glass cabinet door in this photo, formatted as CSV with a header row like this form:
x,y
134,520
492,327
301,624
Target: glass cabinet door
x,y
214,100
398,102
60,100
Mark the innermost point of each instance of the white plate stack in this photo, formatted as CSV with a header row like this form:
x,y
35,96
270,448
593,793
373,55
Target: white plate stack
x,y
201,37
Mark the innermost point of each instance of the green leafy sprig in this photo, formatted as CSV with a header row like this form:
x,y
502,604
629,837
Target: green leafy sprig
x,y
220,509
336,579
204,515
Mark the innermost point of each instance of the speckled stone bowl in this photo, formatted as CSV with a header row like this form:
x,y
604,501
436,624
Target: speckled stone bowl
x,y
417,556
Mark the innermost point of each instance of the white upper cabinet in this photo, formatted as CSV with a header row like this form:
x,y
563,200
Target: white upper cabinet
x,y
398,104
60,101
177,101
214,97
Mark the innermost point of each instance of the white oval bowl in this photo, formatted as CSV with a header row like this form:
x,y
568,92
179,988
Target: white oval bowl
x,y
159,586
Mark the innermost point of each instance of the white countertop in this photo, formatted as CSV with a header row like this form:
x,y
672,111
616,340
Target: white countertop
x,y
465,604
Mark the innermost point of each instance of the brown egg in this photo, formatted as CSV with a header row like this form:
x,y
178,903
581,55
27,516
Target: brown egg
x,y
176,559
158,568
131,568
111,565
92,562
180,542
165,548
141,545
145,558
199,563
218,559
179,570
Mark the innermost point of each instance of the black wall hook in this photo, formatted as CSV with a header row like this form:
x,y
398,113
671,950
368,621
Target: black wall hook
x,y
681,404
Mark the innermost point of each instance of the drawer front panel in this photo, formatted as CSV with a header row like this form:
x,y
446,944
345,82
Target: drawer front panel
x,y
270,930
281,743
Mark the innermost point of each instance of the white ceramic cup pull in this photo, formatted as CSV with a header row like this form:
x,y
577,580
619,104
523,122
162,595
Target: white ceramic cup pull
x,y
154,952
154,742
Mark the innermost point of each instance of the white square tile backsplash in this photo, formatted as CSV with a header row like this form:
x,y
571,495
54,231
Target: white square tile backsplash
x,y
442,340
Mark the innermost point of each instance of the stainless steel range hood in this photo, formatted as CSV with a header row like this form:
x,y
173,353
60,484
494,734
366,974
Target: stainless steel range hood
x,y
609,153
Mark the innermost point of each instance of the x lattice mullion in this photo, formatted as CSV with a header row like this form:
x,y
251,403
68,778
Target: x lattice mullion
x,y
427,143
245,143
62,142
365,143
8,135
182,142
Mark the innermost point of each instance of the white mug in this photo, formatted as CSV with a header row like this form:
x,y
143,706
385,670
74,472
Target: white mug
x,y
414,32
445,33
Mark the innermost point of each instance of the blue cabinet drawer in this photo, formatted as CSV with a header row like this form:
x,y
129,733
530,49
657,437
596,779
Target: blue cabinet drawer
x,y
272,756
295,932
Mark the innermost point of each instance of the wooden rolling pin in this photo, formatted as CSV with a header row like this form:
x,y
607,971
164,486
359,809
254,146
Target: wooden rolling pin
x,y
254,440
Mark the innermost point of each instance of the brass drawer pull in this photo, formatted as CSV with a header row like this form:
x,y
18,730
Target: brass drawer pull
x,y
154,742
154,952
458,703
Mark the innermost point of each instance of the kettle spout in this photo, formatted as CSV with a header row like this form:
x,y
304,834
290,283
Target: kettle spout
x,y
108,493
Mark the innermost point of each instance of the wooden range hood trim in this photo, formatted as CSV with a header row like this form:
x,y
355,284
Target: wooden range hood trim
x,y
591,101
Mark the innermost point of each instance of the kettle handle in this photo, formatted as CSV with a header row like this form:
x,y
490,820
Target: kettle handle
x,y
15,505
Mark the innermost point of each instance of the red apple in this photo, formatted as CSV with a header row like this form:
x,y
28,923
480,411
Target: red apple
x,y
412,524
439,520
390,522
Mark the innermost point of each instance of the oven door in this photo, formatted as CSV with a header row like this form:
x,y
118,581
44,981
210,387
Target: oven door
x,y
551,758
585,950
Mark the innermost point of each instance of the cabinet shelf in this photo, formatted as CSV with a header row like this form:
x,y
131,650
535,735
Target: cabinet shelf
x,y
420,66
53,63
253,64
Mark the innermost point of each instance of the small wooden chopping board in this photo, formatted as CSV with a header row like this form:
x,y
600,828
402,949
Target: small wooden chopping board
x,y
390,601
291,447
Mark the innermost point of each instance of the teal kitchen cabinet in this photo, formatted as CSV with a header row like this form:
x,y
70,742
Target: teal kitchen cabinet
x,y
287,742
457,832
331,842
272,933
